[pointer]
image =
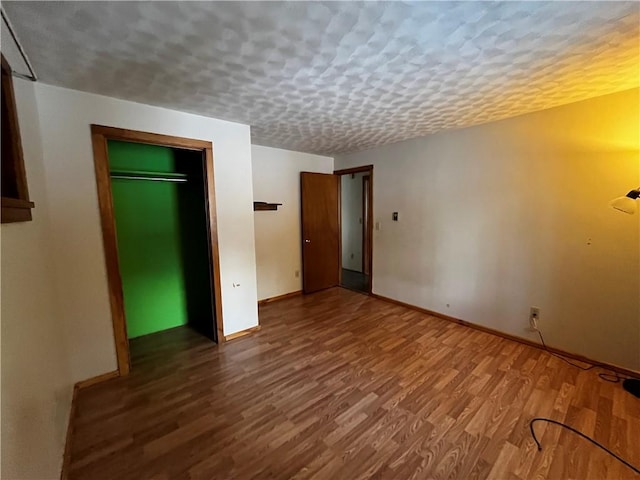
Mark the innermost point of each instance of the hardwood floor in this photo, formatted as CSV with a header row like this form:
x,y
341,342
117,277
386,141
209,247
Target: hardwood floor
x,y
338,385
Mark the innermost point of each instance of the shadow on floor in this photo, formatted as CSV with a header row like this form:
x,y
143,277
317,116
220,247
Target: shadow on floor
x,y
355,280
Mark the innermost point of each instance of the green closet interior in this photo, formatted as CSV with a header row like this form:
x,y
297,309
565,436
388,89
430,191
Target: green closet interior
x,y
163,246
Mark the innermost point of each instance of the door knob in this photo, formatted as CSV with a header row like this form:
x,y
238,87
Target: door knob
x,y
306,240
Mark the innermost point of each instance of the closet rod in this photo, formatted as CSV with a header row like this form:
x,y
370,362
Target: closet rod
x,y
153,179
153,176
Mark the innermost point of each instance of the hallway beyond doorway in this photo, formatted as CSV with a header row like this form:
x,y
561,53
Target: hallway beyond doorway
x,y
355,280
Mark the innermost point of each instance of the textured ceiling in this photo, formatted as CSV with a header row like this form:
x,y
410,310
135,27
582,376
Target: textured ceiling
x,y
337,77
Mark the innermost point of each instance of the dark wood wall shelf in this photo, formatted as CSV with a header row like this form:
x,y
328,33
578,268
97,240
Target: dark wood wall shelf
x,y
264,206
16,210
16,206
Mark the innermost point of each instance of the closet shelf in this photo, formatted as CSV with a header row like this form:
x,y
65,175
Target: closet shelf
x,y
264,206
153,176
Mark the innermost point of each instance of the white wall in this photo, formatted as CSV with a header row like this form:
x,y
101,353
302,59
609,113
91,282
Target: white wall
x,y
75,237
511,214
351,224
276,178
36,380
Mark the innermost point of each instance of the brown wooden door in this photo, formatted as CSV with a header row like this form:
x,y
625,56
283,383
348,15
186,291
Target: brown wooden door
x,y
320,230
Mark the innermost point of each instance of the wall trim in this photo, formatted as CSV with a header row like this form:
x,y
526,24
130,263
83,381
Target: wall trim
x,y
66,458
97,379
574,356
348,171
279,297
241,333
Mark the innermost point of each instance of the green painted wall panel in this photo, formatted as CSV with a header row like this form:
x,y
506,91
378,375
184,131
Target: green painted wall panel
x,y
148,228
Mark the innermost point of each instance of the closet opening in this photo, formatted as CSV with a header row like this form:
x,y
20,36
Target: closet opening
x,y
157,205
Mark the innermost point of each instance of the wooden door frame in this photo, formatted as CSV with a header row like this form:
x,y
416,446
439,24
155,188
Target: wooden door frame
x,y
348,171
99,137
366,238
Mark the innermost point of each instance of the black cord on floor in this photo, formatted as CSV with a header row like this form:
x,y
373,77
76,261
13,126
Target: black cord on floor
x,y
541,419
613,377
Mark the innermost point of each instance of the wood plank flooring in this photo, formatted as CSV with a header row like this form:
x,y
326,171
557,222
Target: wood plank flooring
x,y
338,385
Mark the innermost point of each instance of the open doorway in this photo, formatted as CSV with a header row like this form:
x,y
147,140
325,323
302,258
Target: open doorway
x,y
356,228
157,205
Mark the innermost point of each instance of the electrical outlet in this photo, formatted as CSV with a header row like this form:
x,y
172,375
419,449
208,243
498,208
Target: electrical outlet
x,y
534,317
297,273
